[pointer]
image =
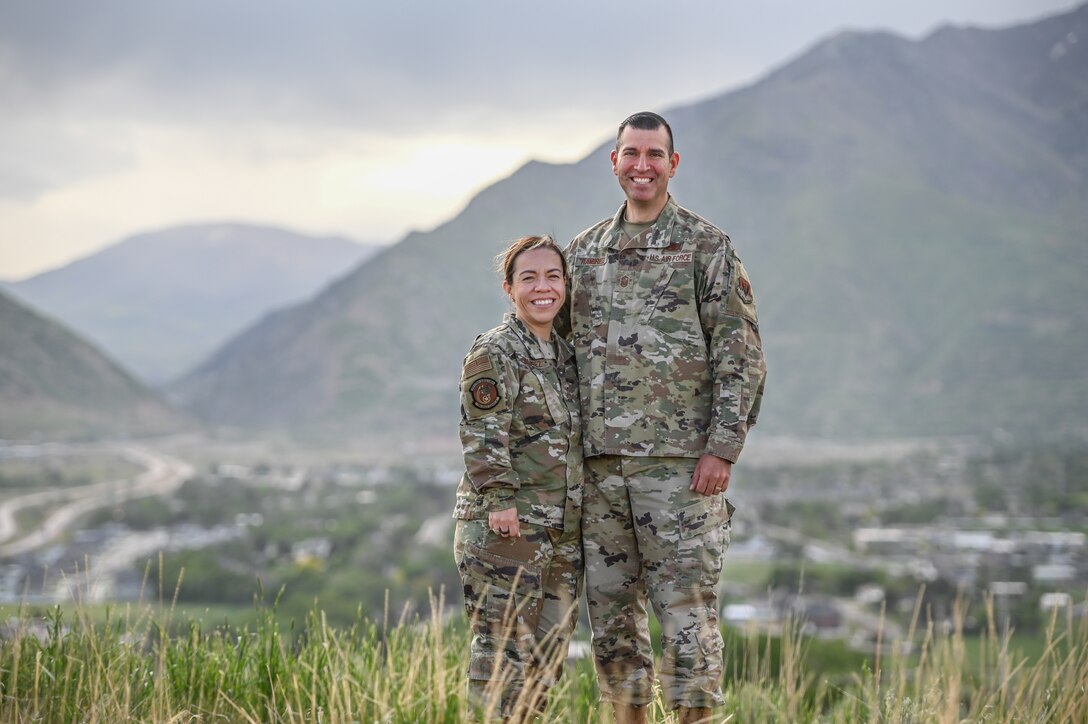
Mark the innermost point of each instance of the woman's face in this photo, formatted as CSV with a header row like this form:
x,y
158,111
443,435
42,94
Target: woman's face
x,y
538,289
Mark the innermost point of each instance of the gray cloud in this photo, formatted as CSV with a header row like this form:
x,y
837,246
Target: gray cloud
x,y
395,67
388,64
41,156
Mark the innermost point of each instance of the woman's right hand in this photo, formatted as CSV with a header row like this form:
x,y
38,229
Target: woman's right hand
x,y
505,522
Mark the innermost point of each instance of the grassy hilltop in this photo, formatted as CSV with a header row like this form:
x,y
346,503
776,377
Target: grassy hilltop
x,y
150,663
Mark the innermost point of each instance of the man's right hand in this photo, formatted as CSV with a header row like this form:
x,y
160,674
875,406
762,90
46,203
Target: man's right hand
x,y
712,475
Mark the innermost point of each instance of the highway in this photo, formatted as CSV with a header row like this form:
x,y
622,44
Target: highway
x,y
163,474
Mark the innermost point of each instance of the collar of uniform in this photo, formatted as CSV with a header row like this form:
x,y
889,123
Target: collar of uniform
x,y
528,339
658,236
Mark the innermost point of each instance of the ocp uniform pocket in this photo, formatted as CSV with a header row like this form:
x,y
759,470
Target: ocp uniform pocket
x,y
505,595
533,414
704,529
591,287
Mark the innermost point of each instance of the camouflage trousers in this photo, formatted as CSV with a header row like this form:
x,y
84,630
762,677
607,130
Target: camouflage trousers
x,y
521,597
647,536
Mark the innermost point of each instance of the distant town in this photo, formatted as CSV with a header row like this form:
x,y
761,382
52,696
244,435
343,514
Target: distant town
x,y
851,547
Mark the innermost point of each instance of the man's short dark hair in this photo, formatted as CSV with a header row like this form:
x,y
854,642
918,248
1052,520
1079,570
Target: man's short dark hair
x,y
645,121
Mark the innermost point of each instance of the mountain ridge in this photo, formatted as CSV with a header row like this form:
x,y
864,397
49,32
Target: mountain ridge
x,y
162,300
911,216
54,385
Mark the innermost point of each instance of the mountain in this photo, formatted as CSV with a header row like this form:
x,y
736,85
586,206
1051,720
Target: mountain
x,y
912,214
160,302
55,385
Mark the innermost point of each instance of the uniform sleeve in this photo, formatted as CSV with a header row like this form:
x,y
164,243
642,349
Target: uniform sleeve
x,y
728,315
489,385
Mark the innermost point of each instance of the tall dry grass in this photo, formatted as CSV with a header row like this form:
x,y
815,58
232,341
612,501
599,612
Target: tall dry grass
x,y
145,663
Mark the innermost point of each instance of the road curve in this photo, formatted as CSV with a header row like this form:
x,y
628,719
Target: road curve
x,y
163,474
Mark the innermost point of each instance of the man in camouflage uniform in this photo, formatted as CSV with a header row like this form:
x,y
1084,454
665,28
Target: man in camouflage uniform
x,y
521,434
663,321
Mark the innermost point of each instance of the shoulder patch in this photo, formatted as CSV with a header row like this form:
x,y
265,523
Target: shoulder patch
x,y
485,393
477,365
741,299
744,290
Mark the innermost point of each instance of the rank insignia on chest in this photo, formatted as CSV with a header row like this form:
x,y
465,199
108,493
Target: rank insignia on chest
x,y
485,393
538,364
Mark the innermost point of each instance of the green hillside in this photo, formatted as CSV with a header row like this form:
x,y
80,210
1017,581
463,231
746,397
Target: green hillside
x,y
55,385
161,302
912,213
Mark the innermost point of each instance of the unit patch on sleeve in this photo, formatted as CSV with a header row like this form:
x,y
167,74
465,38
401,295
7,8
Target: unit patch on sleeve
x,y
741,299
744,290
485,393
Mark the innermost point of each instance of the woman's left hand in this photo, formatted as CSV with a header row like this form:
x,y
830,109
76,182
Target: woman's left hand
x,y
505,522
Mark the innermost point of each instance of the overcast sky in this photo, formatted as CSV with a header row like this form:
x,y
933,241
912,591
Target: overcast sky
x,y
357,118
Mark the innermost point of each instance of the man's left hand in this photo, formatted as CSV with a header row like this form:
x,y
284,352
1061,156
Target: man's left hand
x,y
711,475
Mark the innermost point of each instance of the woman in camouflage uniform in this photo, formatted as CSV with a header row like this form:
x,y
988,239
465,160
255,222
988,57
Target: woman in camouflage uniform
x,y
519,505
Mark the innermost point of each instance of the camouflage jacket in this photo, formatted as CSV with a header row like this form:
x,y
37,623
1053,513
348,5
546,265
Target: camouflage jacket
x,y
666,337
520,429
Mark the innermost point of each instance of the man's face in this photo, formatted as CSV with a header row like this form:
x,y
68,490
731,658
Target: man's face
x,y
643,165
